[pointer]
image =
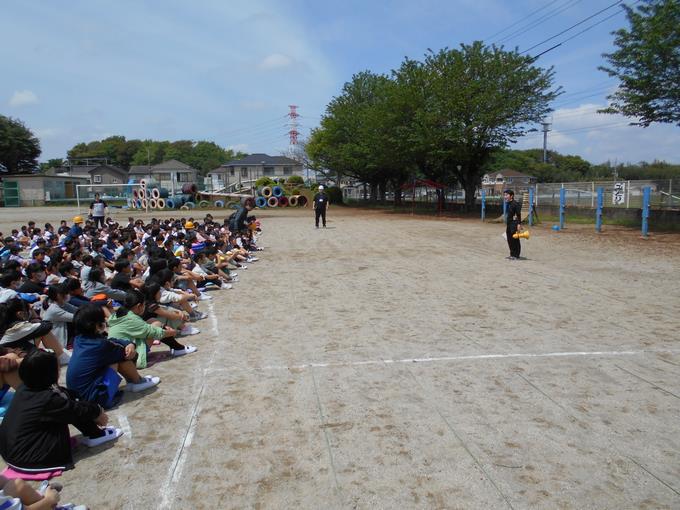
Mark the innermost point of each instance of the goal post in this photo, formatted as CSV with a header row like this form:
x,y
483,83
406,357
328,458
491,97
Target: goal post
x,y
114,194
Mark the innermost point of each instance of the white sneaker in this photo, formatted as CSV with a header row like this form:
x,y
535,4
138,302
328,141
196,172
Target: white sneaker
x,y
189,330
243,267
204,297
253,259
110,433
188,349
193,304
226,286
148,381
64,358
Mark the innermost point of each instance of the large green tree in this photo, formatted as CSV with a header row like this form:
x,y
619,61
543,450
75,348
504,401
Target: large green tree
x,y
19,147
647,64
477,99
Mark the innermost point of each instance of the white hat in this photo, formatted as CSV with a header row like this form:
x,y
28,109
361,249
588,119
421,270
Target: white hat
x,y
321,187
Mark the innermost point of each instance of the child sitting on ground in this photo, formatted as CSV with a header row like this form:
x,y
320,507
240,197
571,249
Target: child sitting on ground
x,y
34,436
127,323
91,374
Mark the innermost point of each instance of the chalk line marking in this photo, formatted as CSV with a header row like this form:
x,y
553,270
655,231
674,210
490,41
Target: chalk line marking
x,y
169,487
470,357
125,426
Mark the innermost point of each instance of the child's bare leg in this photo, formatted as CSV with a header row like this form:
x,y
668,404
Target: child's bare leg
x,y
128,370
20,489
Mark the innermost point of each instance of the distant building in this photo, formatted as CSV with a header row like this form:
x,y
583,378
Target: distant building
x,y
249,169
169,174
107,174
496,182
36,189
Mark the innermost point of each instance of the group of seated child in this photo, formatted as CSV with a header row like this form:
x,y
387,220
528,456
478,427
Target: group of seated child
x,y
96,300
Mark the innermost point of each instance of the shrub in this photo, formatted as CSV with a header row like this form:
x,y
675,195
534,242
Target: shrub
x,y
334,195
295,179
264,181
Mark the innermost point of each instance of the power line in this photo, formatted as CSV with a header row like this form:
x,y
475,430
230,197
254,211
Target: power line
x,y
521,20
573,26
542,19
254,126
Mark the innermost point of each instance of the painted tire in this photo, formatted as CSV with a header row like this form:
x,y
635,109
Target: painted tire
x,y
190,205
155,193
283,202
184,208
153,203
170,203
219,203
145,203
267,191
160,203
260,202
302,201
277,191
293,201
273,202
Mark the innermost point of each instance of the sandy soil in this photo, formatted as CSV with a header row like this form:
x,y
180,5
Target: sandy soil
x,y
399,362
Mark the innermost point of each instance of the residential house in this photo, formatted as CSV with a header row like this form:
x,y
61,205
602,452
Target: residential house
x,y
247,170
495,182
170,174
107,174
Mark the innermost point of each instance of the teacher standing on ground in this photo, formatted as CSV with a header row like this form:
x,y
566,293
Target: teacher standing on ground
x,y
320,205
98,210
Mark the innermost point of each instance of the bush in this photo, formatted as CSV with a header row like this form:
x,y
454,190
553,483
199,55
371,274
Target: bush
x,y
264,181
296,191
295,179
334,195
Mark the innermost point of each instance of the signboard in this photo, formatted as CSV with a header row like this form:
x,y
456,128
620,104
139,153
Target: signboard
x,y
619,193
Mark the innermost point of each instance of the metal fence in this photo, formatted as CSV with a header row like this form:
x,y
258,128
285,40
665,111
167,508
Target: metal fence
x,y
617,194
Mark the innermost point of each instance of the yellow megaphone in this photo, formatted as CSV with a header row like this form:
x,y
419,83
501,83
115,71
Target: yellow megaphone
x,y
521,235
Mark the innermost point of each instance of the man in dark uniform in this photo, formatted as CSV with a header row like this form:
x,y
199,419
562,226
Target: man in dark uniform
x,y
513,221
320,205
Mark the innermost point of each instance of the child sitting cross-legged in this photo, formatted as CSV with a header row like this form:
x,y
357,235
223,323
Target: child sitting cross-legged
x,y
127,323
97,361
34,435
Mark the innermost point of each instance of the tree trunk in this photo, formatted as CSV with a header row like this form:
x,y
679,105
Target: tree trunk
x,y
382,188
441,200
470,188
365,191
397,196
374,192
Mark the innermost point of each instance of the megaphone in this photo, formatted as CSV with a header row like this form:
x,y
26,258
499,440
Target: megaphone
x,y
524,234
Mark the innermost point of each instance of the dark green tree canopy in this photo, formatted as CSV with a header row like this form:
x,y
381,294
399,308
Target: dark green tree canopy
x,y
647,63
202,155
19,148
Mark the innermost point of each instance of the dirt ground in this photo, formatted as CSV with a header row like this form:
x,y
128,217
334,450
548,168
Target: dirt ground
x,y
399,362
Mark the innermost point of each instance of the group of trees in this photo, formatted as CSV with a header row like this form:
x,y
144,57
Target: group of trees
x,y
441,118
569,168
19,147
452,115
202,155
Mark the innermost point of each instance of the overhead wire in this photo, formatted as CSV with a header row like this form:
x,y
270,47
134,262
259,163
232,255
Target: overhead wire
x,y
618,2
521,20
539,21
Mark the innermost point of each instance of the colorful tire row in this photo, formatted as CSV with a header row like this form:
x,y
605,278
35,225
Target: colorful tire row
x,y
282,201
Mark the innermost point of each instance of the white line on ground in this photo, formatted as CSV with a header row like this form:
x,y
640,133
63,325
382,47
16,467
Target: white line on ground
x,y
471,357
169,487
125,426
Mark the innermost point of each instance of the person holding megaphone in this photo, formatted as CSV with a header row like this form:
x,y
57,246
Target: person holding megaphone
x,y
513,222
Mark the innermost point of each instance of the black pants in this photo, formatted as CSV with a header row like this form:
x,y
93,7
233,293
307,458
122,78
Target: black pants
x,y
513,243
320,212
98,221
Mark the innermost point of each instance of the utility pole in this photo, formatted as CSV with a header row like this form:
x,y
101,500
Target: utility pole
x,y
546,129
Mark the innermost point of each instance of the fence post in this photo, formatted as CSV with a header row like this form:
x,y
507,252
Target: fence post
x,y
598,212
670,193
531,206
563,199
592,194
646,195
627,194
483,204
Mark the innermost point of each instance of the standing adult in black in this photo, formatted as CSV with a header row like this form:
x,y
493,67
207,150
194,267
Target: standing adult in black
x,y
320,205
513,222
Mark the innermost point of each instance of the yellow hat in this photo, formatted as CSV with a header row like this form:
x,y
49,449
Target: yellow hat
x,y
189,224
78,219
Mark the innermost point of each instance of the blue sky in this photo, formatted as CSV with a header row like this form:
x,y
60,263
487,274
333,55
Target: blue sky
x,y
226,71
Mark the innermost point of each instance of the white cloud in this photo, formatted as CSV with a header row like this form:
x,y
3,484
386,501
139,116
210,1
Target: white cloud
x,y
239,147
44,133
23,97
275,61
